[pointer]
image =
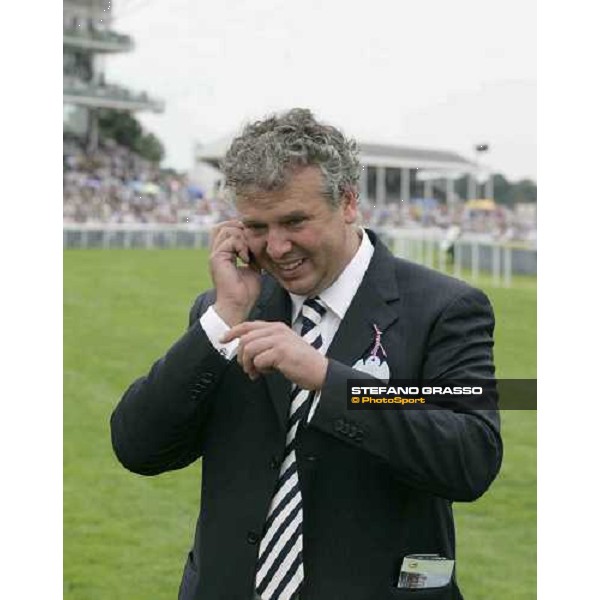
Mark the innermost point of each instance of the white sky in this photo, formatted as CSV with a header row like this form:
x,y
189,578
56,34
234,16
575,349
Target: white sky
x,y
434,73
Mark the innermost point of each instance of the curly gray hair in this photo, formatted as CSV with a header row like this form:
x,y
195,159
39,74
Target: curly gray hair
x,y
268,152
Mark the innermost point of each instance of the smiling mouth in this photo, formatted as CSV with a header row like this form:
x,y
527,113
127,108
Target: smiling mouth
x,y
291,267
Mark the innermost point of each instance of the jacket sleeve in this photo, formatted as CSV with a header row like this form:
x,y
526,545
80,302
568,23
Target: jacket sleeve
x,y
157,425
454,453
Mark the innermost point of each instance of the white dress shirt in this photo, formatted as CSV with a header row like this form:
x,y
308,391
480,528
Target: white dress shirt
x,y
336,298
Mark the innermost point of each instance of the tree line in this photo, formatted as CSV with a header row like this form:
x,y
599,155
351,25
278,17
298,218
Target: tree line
x,y
127,131
506,192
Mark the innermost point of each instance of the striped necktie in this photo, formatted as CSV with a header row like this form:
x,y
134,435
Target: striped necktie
x,y
279,571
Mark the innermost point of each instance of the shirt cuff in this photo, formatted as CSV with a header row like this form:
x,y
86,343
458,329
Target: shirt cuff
x,y
215,328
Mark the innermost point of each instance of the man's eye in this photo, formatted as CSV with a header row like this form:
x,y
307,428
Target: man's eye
x,y
256,227
295,222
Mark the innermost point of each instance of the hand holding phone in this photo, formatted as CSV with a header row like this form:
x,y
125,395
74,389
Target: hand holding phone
x,y
237,285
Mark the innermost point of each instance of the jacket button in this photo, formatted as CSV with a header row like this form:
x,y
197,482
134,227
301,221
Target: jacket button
x,y
274,463
311,457
252,537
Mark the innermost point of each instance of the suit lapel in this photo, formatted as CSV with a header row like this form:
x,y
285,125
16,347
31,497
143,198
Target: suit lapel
x,y
275,305
369,307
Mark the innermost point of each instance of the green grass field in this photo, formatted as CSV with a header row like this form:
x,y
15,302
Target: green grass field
x,y
126,536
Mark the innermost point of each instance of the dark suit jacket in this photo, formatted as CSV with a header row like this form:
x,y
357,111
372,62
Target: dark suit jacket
x,y
376,484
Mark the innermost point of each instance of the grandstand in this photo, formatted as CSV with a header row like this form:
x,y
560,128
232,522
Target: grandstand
x,y
87,40
393,174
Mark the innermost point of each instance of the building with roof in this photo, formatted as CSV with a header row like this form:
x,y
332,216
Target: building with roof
x,y
394,174
88,39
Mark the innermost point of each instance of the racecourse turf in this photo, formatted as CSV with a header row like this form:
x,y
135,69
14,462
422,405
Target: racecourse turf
x,y
126,536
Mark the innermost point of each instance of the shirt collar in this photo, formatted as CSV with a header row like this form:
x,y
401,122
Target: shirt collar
x,y
338,296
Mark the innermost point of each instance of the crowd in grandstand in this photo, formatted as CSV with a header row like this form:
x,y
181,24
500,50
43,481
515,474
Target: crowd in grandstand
x,y
115,185
498,223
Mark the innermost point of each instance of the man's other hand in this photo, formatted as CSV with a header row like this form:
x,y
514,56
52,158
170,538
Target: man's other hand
x,y
265,346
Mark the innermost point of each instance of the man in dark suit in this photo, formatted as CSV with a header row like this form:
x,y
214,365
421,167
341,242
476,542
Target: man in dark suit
x,y
303,498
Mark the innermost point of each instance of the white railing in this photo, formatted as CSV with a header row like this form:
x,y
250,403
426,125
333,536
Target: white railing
x,y
473,254
134,235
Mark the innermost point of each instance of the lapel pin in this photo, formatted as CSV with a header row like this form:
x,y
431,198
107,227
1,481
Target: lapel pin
x,y
374,360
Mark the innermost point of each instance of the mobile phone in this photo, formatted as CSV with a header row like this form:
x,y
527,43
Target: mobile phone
x,y
253,262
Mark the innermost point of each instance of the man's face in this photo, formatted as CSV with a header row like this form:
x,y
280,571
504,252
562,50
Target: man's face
x,y
297,236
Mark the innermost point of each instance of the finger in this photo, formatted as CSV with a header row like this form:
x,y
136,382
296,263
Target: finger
x,y
226,234
252,344
248,366
257,329
273,332
217,232
225,231
232,223
266,361
248,351
233,245
253,263
240,249
246,327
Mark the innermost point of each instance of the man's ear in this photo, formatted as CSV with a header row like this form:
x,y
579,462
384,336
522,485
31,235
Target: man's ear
x,y
349,204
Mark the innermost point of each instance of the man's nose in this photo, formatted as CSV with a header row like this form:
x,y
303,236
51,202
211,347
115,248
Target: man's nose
x,y
278,245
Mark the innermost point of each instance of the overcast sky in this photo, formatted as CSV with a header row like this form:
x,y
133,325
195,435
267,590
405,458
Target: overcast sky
x,y
432,73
